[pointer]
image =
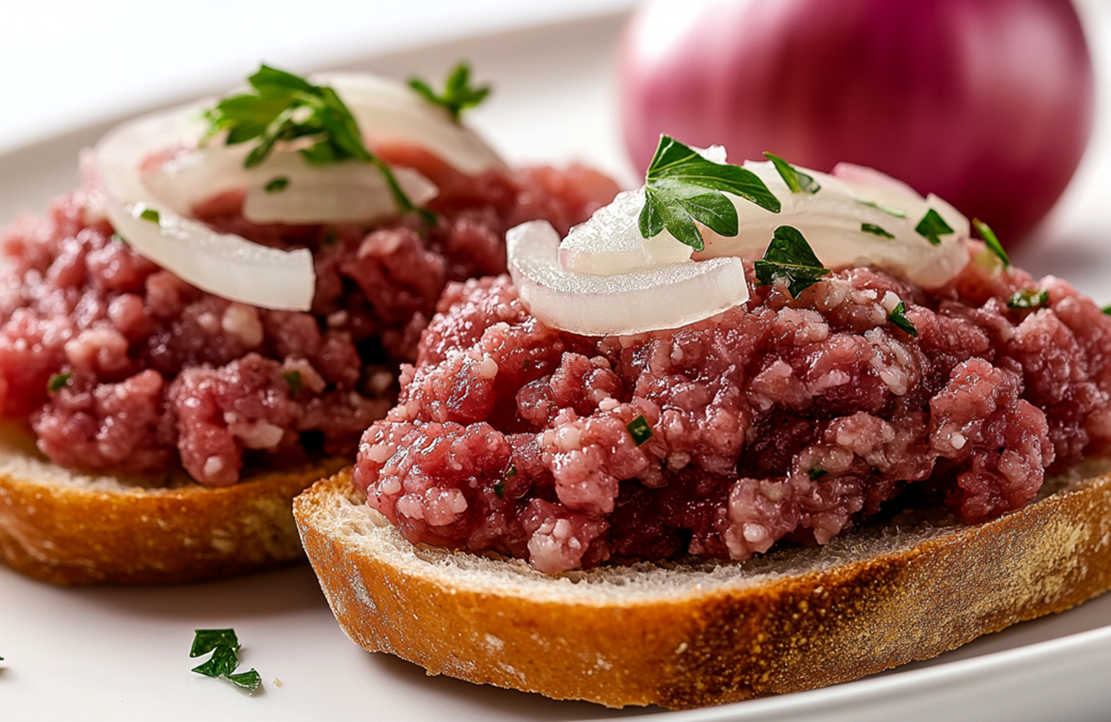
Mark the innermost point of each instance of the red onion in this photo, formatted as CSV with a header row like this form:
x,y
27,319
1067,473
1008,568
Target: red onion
x,y
987,103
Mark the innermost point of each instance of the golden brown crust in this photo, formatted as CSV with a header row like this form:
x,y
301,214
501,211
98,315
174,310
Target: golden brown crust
x,y
70,529
708,638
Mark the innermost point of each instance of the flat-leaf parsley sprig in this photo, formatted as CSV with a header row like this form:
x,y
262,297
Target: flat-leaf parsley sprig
x,y
681,187
224,646
458,94
285,107
790,258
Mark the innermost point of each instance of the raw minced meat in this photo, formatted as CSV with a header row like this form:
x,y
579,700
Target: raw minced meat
x,y
782,419
147,372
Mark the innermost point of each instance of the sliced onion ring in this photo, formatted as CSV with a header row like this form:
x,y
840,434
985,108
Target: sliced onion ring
x,y
223,264
662,297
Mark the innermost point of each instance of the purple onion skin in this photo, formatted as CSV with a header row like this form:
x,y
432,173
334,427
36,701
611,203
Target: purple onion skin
x,y
987,103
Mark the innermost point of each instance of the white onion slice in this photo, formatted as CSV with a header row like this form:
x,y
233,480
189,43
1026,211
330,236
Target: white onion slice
x,y
223,264
387,110
350,192
667,296
830,220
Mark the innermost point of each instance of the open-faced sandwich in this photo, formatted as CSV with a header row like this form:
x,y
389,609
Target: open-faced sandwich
x,y
213,318
749,430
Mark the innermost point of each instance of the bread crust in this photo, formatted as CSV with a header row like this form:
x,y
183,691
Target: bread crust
x,y
68,528
712,634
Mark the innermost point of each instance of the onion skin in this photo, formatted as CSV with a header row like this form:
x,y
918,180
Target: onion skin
x,y
986,103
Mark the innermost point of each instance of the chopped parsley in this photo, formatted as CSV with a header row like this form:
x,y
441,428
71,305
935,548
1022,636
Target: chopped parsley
x,y
499,488
894,212
639,430
875,230
795,179
458,93
224,646
295,381
150,214
816,473
285,107
1107,310
277,185
790,258
898,318
991,241
932,227
682,188
59,381
1030,298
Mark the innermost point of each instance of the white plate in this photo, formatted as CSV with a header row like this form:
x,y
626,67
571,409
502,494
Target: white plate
x,y
109,654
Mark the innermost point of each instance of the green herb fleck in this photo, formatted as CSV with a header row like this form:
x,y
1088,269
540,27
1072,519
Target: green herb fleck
x,y
458,93
898,318
120,239
277,185
512,472
59,381
1030,298
639,430
499,489
1107,310
991,241
224,646
295,382
285,107
816,473
151,215
682,188
875,230
895,212
932,227
790,258
795,179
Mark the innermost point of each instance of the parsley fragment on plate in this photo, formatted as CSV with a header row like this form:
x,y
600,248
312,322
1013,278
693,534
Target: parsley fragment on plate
x,y
499,487
932,227
898,318
1107,310
991,241
294,381
57,382
682,189
893,212
795,179
148,214
816,473
790,258
284,107
639,430
458,94
1030,298
875,230
277,185
224,646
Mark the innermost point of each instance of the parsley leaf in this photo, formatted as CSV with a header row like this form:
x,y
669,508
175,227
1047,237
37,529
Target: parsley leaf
x,y
898,318
1030,298
991,241
816,472
875,230
795,179
1107,310
58,381
790,258
285,107
294,381
277,185
681,187
224,646
639,430
458,93
932,227
895,212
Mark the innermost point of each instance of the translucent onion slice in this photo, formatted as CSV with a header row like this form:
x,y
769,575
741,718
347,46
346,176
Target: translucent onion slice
x,y
666,296
223,264
389,111
833,221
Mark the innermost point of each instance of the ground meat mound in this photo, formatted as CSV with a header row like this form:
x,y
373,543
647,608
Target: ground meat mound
x,y
786,419
120,366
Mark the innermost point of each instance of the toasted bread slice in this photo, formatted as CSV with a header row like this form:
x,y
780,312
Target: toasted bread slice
x,y
689,635
70,528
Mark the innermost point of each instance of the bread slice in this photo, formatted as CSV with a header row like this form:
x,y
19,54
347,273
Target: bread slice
x,y
69,528
690,635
